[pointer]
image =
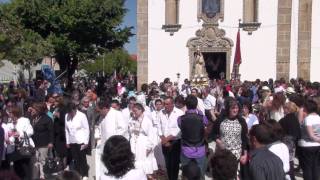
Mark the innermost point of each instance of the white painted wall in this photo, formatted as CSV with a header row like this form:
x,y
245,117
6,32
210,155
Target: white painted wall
x,y
8,72
168,55
259,49
315,42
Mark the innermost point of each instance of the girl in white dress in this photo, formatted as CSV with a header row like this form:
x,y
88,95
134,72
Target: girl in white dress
x,y
142,140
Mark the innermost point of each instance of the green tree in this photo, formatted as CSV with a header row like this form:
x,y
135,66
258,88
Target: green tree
x,y
117,60
10,34
78,29
21,46
30,51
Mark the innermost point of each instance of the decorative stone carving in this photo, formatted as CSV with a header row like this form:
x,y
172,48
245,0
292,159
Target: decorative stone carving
x,y
250,26
210,36
209,39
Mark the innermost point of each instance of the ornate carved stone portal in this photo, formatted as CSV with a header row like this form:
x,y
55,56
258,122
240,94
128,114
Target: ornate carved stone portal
x,y
211,42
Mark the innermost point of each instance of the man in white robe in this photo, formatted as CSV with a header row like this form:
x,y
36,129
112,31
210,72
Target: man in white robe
x,y
113,123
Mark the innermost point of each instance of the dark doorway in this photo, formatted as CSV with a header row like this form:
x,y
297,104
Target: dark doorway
x,y
216,64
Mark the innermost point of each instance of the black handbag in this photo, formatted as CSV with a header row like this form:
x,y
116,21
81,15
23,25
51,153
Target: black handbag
x,y
53,164
24,148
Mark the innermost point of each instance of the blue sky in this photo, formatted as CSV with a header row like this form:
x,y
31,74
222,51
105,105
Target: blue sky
x,y
129,20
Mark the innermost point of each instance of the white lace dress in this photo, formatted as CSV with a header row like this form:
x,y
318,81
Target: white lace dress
x,y
142,139
230,132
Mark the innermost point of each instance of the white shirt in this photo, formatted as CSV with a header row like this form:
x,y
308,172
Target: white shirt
x,y
169,123
156,122
251,120
185,90
6,130
133,174
23,125
278,89
126,113
113,124
156,118
277,114
312,120
141,98
282,151
147,112
77,129
201,106
209,102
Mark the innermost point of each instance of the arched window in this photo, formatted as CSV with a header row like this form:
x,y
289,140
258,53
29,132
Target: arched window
x,y
171,16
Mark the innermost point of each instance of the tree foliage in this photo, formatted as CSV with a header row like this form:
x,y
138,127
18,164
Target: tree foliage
x,y
117,60
30,50
19,45
77,30
10,34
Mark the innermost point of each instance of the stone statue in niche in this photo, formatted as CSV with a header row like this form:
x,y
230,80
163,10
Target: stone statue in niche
x,y
210,7
199,67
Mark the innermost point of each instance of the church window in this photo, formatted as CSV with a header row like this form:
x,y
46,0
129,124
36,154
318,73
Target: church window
x,y
171,16
250,21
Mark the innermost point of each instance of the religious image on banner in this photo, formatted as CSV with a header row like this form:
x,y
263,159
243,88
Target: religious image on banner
x,y
49,75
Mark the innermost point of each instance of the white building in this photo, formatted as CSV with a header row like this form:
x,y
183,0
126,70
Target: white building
x,y
285,38
10,72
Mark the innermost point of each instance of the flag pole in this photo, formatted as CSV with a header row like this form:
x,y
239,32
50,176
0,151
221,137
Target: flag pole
x,y
237,57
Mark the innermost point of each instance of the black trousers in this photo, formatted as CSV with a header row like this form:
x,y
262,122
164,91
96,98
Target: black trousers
x,y
23,168
291,171
79,159
172,158
309,161
244,171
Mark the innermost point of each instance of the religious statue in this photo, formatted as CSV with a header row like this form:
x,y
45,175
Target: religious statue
x,y
210,7
199,67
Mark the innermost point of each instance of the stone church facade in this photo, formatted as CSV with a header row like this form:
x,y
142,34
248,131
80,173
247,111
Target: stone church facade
x,y
279,38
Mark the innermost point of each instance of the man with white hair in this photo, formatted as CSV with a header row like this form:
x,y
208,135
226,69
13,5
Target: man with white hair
x,y
209,102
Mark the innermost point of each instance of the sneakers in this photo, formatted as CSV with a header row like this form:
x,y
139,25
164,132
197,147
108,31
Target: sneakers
x,y
85,178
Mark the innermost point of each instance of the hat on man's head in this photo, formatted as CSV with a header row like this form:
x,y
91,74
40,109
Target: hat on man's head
x,y
265,88
290,90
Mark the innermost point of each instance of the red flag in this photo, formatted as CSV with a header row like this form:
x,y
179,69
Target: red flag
x,y
237,55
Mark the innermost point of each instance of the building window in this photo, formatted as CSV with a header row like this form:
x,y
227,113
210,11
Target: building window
x,y
171,16
250,21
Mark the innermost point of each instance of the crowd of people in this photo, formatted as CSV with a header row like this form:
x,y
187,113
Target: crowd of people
x,y
224,130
